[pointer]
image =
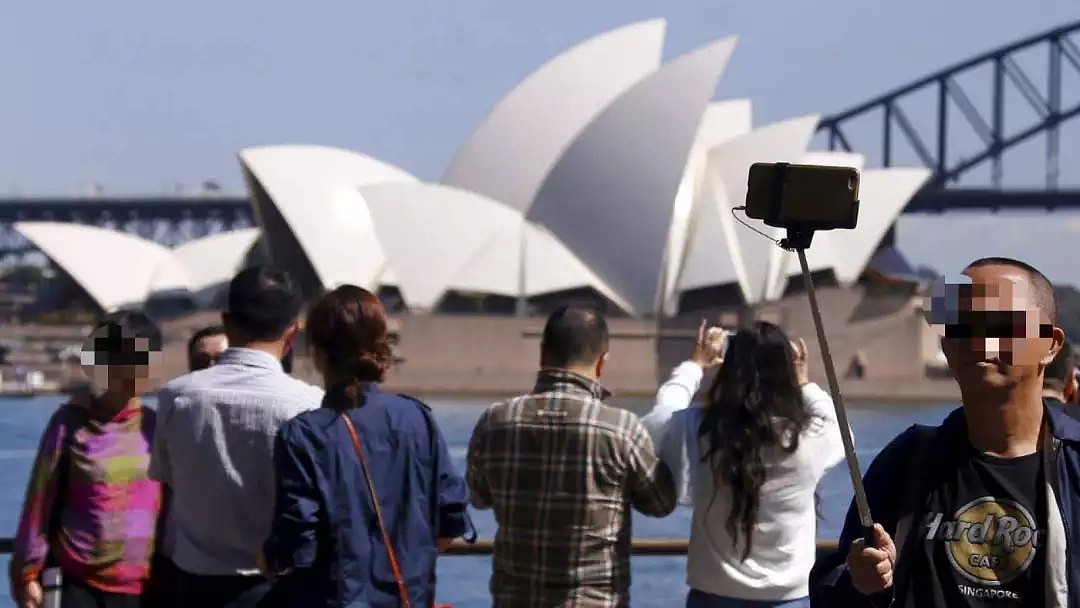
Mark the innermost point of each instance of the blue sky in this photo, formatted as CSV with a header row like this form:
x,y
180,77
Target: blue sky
x,y
138,96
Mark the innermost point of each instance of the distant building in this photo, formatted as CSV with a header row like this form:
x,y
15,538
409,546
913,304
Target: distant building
x,y
115,269
606,178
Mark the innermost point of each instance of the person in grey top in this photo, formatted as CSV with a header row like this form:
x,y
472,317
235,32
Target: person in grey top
x,y
214,444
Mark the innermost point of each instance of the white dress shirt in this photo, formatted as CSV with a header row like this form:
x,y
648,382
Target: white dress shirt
x,y
214,449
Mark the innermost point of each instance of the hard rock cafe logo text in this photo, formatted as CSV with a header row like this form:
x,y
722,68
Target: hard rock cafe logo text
x,y
989,542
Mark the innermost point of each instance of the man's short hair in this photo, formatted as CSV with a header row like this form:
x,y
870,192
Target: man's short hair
x,y
574,336
262,303
206,332
1058,373
1041,287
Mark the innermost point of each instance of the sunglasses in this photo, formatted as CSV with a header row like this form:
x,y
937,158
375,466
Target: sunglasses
x,y
124,357
1004,324
113,350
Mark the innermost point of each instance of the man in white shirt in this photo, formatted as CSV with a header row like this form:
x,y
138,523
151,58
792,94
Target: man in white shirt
x,y
215,435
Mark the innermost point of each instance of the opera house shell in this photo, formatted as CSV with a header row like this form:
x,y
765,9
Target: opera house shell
x,y
605,172
125,270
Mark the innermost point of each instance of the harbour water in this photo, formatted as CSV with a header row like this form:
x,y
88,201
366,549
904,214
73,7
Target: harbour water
x,y
657,581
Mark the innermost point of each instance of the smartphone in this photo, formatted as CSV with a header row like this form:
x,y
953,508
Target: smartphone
x,y
718,337
803,197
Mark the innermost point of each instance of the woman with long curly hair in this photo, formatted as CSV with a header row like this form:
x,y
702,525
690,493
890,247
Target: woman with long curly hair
x,y
748,461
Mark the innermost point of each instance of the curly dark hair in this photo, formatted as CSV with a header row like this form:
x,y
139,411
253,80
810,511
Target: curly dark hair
x,y
754,405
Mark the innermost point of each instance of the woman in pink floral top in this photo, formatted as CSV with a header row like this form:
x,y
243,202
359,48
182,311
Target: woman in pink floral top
x,y
91,509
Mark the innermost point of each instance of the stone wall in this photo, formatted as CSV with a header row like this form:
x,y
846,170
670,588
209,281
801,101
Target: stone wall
x,y
497,355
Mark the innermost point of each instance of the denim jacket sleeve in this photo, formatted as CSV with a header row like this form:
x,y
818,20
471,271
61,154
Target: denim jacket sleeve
x,y
292,542
453,495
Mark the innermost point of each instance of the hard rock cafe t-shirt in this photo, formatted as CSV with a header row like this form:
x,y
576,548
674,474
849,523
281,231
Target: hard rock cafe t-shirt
x,y
983,538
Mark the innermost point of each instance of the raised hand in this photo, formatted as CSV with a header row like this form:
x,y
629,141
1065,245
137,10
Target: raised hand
x,y
802,365
33,596
709,346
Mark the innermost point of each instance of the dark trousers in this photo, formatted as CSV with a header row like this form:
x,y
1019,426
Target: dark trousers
x,y
198,591
75,594
160,590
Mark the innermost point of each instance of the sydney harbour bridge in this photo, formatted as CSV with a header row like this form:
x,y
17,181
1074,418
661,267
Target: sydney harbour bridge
x,y
945,121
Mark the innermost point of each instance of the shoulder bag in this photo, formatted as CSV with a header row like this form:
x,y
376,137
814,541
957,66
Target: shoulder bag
x,y
390,553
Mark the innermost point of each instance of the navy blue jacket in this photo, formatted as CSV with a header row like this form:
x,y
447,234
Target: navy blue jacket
x,y
893,476
324,521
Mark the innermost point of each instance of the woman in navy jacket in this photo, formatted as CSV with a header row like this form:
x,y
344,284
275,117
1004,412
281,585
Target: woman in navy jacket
x,y
325,534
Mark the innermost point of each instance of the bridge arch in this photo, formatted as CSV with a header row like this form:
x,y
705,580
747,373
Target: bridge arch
x,y
1051,104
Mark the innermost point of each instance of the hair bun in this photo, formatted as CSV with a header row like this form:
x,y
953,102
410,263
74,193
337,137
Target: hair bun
x,y
347,326
368,367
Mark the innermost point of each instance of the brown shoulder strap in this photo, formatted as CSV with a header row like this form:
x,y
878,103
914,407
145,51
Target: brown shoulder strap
x,y
390,553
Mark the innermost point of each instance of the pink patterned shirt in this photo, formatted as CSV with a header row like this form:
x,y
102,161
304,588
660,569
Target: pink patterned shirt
x,y
108,514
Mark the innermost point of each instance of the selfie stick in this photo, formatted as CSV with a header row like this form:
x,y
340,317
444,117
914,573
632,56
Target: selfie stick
x,y
798,241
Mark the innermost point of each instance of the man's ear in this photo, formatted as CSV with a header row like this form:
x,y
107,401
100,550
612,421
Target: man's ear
x,y
1057,343
291,334
600,363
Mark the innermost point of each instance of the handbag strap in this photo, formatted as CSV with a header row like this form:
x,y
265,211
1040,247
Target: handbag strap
x,y
390,553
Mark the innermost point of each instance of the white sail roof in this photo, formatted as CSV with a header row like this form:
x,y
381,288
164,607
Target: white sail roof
x,y
119,270
213,260
722,121
611,195
522,138
883,194
429,231
716,233
114,268
314,190
549,266
439,239
603,168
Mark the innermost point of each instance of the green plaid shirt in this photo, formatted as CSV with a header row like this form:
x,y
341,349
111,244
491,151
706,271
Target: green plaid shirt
x,y
561,470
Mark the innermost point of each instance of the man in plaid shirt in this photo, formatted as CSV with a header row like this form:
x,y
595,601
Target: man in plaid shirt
x,y
560,469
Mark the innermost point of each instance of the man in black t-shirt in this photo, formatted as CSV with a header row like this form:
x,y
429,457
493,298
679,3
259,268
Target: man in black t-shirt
x,y
978,511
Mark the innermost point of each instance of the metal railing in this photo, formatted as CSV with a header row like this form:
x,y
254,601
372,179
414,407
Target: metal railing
x,y
643,546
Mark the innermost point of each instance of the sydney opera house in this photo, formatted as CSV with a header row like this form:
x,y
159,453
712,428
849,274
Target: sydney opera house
x,y
607,177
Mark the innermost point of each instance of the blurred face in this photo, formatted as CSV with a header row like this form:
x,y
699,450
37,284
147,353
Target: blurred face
x,y
207,350
119,365
993,334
